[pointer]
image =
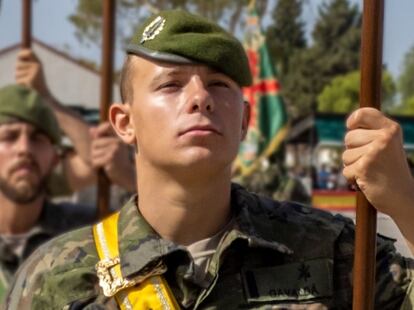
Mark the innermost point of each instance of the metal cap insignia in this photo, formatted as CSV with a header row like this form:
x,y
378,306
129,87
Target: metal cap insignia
x,y
153,29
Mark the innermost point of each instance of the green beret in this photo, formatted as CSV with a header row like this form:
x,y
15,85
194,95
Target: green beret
x,y
25,104
179,37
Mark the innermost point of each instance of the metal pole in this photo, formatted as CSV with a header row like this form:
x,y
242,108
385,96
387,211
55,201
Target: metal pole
x,y
370,96
108,23
26,23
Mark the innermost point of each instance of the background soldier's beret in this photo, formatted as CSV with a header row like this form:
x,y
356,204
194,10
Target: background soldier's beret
x,y
22,103
177,36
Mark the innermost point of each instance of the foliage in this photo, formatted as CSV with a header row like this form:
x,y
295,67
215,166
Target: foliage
x,y
299,85
406,108
335,51
286,35
87,20
342,94
406,79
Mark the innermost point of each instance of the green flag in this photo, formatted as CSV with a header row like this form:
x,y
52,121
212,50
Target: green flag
x,y
268,123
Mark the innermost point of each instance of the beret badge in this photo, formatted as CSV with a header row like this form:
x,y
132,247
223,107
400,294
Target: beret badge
x,y
153,29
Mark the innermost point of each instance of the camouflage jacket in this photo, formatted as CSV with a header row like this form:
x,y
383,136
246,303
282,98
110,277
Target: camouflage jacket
x,y
54,220
276,256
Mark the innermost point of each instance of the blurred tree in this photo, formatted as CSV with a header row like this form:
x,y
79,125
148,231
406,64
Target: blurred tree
x,y
389,92
406,108
87,18
341,95
406,86
286,35
406,79
334,51
300,84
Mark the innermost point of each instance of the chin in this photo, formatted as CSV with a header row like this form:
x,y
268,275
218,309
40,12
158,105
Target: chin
x,y
27,184
202,158
27,188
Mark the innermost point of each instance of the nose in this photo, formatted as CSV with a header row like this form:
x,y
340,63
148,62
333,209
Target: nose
x,y
199,99
23,144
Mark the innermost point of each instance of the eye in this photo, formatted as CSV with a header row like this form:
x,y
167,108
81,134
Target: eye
x,y
169,86
219,83
8,136
40,138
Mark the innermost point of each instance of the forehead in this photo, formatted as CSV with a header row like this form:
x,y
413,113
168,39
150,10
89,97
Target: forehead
x,y
150,68
17,125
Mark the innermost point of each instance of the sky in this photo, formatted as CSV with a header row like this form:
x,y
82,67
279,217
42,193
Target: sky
x,y
51,25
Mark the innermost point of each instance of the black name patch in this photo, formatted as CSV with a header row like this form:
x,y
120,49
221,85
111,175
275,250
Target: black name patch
x,y
299,281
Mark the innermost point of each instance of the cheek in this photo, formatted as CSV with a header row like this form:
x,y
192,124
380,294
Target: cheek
x,y
231,113
230,100
153,118
46,160
4,165
5,157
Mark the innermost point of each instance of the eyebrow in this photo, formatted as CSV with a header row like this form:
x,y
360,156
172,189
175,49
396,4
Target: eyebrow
x,y
180,70
171,72
10,127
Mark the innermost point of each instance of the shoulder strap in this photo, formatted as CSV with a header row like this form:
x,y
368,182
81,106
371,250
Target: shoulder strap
x,y
152,293
4,284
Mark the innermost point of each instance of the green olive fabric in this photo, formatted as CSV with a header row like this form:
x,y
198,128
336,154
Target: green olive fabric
x,y
177,36
20,102
274,255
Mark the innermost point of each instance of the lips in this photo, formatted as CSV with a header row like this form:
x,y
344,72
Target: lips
x,y
200,128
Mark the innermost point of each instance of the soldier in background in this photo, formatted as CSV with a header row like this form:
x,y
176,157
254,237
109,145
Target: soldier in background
x,y
190,239
73,169
29,141
93,147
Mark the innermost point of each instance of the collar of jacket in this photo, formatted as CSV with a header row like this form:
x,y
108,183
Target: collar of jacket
x,y
44,227
141,247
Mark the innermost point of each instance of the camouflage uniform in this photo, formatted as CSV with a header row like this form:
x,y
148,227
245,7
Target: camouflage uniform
x,y
54,220
275,256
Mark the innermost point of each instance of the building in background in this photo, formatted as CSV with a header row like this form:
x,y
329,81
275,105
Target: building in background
x,y
71,81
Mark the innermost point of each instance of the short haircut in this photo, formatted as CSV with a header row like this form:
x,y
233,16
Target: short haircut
x,y
126,88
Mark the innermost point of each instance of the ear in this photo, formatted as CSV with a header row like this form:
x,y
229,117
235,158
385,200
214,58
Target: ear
x,y
246,118
120,118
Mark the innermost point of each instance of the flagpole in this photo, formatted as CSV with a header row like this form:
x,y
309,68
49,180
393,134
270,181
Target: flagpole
x,y
108,24
26,24
370,96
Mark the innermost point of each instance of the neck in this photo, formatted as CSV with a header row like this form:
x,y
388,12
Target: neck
x,y
186,209
19,218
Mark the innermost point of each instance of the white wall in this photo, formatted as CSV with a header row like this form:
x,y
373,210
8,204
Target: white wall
x,y
70,82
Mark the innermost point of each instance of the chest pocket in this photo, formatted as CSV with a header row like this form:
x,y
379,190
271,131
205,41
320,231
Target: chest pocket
x,y
292,283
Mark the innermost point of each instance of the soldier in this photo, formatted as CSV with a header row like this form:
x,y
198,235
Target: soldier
x,y
29,137
94,148
190,239
100,149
